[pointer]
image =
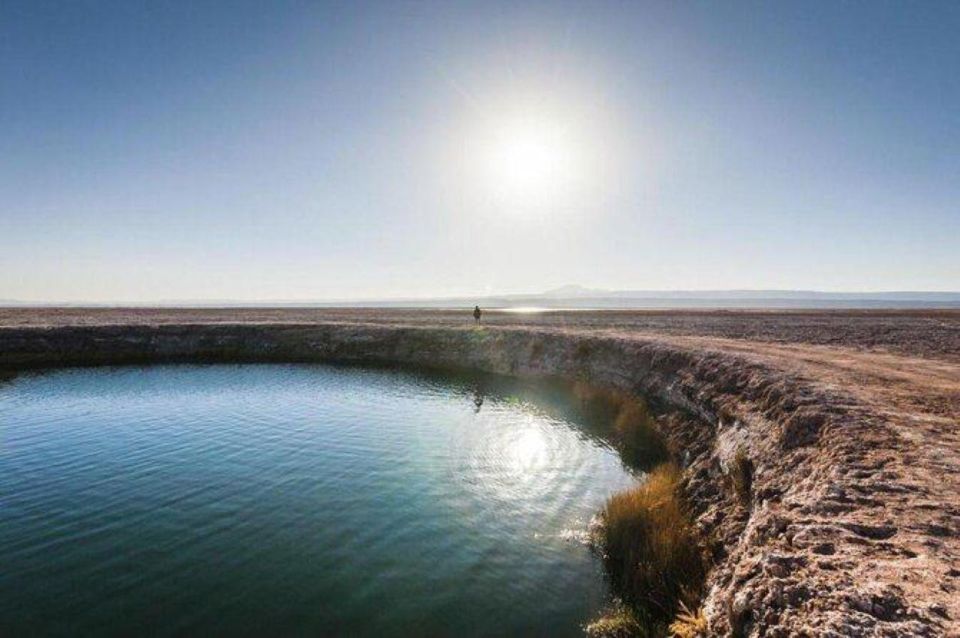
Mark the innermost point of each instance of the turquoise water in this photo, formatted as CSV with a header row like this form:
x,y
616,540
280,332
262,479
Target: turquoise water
x,y
296,500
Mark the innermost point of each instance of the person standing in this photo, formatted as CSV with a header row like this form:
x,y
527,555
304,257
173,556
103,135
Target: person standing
x,y
476,314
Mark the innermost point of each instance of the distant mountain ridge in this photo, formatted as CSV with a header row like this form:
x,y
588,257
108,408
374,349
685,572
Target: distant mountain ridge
x,y
574,296
894,295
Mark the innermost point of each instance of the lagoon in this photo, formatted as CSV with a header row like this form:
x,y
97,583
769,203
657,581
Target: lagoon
x,y
298,500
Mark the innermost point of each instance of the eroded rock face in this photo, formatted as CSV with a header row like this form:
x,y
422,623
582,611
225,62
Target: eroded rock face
x,y
833,539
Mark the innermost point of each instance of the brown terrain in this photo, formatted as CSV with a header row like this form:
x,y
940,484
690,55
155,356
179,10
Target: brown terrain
x,y
851,419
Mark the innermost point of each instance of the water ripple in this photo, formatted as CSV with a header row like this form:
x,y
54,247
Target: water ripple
x,y
289,499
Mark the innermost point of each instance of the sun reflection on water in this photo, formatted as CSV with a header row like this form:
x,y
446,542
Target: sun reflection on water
x,y
529,450
517,465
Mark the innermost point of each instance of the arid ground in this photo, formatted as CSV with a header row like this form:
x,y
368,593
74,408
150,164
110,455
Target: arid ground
x,y
882,516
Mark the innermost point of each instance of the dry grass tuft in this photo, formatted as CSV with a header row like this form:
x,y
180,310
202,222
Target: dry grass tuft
x,y
640,443
651,547
617,622
689,624
634,428
741,476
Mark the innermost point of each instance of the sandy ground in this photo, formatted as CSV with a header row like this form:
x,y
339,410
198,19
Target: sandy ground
x,y
902,368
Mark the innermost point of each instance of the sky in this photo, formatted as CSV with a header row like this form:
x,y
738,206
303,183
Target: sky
x,y
156,151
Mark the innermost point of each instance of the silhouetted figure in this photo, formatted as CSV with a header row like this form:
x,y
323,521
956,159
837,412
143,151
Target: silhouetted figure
x,y
476,314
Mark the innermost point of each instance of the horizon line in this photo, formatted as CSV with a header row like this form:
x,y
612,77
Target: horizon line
x,y
554,294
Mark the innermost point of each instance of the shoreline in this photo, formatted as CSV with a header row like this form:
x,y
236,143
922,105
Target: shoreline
x,y
850,527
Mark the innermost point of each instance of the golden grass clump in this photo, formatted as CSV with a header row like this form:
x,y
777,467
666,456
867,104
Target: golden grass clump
x,y
689,624
617,622
741,476
633,426
640,443
651,547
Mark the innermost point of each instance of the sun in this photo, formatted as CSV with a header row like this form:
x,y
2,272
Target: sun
x,y
528,162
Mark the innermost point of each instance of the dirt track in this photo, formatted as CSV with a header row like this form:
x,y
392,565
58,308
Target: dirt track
x,y
875,509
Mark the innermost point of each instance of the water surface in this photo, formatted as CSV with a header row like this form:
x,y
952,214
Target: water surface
x,y
296,500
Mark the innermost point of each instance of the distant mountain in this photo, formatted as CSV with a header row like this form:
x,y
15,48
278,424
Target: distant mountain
x,y
575,296
581,298
580,291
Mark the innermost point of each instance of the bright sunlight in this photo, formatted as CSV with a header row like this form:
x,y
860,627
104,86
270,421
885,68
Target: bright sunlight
x,y
530,158
529,162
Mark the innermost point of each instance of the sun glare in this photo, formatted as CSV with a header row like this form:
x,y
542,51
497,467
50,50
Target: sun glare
x,y
529,450
533,157
529,163
529,160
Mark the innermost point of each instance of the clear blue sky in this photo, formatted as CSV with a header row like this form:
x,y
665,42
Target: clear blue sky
x,y
308,150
